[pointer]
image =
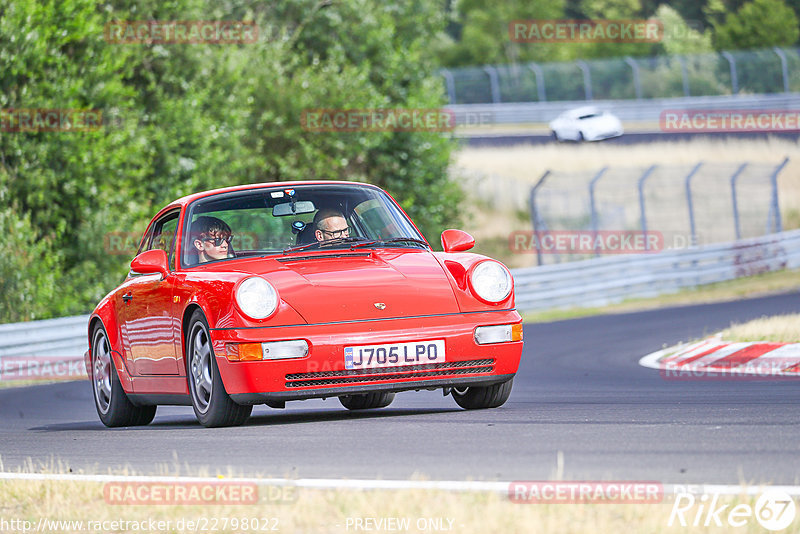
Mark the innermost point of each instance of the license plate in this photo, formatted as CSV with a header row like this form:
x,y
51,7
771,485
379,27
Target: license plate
x,y
394,354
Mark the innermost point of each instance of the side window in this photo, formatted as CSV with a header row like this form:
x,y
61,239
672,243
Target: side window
x,y
163,235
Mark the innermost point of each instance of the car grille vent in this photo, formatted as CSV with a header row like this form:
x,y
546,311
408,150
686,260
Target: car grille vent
x,y
332,378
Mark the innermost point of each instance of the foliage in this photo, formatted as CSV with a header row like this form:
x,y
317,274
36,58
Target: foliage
x,y
758,24
185,117
680,37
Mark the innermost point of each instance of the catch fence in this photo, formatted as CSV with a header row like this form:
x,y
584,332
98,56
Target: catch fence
x,y
773,70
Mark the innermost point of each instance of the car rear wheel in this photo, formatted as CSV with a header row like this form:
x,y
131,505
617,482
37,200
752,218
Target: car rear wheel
x,y
475,398
367,401
113,405
212,404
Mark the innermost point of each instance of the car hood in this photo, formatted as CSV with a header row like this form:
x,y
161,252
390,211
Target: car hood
x,y
361,285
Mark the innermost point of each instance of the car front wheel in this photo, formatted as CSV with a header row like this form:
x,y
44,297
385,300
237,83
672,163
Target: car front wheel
x,y
113,405
475,398
367,401
212,404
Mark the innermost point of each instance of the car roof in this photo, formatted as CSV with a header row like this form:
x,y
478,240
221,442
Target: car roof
x,y
184,201
583,110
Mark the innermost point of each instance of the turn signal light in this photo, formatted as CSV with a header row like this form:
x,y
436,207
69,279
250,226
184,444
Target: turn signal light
x,y
275,350
516,332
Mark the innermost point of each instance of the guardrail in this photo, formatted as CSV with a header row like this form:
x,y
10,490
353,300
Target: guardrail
x,y
592,282
601,281
66,336
40,350
627,110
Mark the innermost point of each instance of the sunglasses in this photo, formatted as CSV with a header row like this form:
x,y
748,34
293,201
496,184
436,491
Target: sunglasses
x,y
218,241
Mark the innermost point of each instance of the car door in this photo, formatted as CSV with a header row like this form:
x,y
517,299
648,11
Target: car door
x,y
150,330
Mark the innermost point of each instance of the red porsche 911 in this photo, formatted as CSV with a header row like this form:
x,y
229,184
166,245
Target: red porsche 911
x,y
268,293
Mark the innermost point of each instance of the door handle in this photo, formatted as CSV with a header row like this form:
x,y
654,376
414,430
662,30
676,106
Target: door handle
x,y
127,297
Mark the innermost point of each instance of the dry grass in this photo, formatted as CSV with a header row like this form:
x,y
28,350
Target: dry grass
x,y
528,162
509,173
780,328
334,511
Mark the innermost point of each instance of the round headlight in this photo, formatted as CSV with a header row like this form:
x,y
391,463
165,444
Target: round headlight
x,y
491,281
256,298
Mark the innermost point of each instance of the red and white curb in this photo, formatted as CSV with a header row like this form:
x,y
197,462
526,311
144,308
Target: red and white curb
x,y
717,357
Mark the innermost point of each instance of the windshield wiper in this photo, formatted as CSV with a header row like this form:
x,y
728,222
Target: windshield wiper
x,y
408,240
328,243
300,247
393,240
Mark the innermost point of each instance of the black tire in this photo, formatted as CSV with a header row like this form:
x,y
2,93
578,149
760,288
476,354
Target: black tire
x,y
477,398
110,400
556,137
212,405
367,401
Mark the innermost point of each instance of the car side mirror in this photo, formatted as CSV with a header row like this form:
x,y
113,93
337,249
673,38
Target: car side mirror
x,y
151,261
457,241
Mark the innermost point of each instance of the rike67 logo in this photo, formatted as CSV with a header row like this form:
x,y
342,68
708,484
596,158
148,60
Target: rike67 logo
x,y
774,510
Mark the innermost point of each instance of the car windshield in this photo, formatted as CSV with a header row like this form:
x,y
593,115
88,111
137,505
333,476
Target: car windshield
x,y
287,220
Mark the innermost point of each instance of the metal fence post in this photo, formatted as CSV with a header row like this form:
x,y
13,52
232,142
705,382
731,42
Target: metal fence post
x,y
587,78
688,185
450,83
593,207
536,220
494,85
784,68
735,202
539,73
774,208
684,75
734,76
644,176
637,84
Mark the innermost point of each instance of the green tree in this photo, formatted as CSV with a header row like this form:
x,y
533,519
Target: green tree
x,y
479,33
679,37
758,24
182,118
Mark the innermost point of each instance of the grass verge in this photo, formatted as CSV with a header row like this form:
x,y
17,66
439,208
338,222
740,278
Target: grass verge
x,y
780,328
78,506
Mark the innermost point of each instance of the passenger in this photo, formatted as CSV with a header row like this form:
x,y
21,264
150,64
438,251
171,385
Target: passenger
x,y
211,238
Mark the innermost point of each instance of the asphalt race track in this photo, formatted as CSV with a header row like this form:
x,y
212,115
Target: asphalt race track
x,y
579,391
629,138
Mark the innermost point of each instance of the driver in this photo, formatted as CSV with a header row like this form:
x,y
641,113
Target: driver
x,y
211,238
330,224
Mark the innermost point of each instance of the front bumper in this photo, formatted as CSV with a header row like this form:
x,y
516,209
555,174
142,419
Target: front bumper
x,y
322,372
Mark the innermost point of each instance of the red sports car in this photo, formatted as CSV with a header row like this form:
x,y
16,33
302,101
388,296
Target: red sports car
x,y
266,293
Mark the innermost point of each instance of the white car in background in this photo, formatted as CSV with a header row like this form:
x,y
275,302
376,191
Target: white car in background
x,y
586,123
